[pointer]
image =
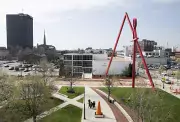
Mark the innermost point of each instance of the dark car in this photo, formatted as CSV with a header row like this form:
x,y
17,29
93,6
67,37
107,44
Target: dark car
x,y
6,66
17,68
30,65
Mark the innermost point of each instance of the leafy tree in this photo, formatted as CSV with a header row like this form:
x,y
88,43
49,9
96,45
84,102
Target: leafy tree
x,y
127,71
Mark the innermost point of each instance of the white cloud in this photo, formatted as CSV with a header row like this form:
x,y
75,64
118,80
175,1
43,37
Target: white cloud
x,y
39,8
166,1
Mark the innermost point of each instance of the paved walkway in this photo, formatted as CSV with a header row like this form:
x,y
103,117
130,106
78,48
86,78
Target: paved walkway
x,y
122,110
67,102
93,96
159,84
117,113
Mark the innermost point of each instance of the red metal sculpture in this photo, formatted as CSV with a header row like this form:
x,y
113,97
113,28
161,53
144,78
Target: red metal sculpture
x,y
136,45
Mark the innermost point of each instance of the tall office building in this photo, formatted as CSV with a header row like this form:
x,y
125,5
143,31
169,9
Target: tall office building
x,y
19,30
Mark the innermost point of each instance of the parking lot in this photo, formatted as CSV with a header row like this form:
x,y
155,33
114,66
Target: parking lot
x,y
10,68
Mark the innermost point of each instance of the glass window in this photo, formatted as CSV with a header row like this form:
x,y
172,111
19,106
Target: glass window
x,y
87,57
77,57
77,69
75,74
67,57
77,63
87,63
87,70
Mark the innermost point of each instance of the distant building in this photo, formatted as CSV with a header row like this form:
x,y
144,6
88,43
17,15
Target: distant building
x,y
147,45
19,31
48,50
88,65
78,64
3,53
46,47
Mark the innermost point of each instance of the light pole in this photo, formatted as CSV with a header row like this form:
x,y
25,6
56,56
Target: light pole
x,y
84,98
84,103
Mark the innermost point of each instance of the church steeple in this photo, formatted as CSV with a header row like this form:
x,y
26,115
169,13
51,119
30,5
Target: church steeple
x,y
44,38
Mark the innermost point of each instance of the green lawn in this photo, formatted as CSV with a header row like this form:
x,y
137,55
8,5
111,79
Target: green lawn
x,y
78,91
14,112
69,113
161,103
81,100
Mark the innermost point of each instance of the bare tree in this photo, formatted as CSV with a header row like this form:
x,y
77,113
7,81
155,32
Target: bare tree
x,y
109,82
61,68
51,70
140,64
178,60
35,94
177,75
161,69
69,77
44,67
147,105
6,87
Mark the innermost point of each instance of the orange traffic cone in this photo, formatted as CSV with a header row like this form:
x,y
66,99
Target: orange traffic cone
x,y
98,111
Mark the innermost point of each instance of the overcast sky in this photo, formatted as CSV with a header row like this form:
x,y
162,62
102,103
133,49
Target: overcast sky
x,y
72,24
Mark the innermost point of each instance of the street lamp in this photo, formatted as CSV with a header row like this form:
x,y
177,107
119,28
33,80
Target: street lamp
x,y
84,103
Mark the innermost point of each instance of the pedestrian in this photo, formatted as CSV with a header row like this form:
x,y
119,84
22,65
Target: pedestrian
x,y
89,103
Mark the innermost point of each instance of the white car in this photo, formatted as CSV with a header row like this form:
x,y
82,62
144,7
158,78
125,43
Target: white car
x,y
149,56
164,74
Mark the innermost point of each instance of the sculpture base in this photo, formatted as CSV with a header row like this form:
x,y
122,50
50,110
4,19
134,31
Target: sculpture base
x,y
99,116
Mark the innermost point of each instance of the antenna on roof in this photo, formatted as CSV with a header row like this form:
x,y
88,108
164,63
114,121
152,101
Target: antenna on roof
x,y
22,10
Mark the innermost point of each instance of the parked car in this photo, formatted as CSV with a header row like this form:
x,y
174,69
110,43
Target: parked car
x,y
26,70
6,66
149,56
21,69
167,81
156,56
28,74
164,74
16,68
30,65
11,68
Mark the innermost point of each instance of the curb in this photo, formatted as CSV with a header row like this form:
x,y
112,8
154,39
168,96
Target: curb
x,y
119,107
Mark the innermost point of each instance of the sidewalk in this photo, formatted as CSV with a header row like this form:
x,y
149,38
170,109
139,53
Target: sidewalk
x,y
159,85
89,113
67,102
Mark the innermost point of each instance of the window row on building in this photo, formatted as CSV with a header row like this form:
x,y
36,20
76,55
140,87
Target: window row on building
x,y
78,63
69,69
78,57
